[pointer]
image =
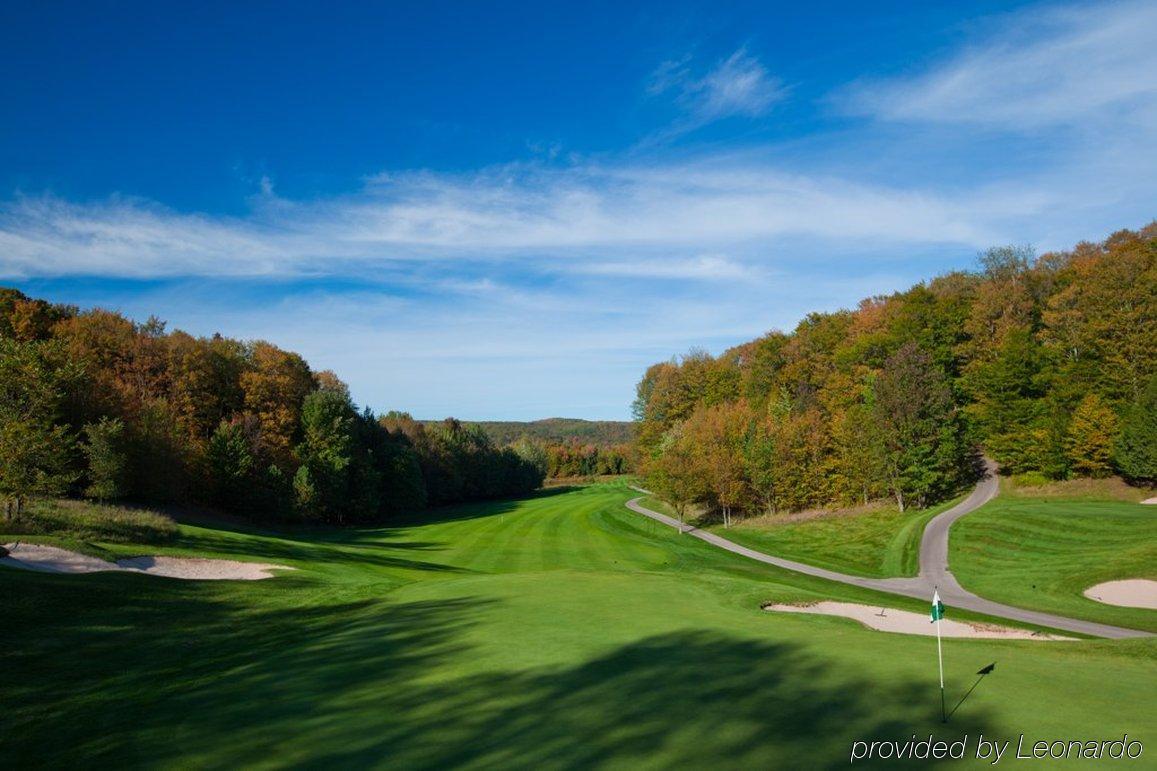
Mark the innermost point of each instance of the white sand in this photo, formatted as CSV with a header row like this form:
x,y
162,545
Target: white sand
x,y
907,622
50,559
1150,501
1133,593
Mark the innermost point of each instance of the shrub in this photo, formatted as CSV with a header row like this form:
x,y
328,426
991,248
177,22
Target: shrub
x,y
1029,479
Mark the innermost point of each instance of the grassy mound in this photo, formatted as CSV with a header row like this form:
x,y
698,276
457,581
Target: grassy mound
x,y
1043,552
1034,485
85,521
878,541
556,631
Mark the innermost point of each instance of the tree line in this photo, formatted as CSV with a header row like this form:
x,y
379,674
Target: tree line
x,y
577,459
567,447
600,433
1047,364
93,404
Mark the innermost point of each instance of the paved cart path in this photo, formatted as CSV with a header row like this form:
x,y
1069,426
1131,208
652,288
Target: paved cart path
x,y
934,572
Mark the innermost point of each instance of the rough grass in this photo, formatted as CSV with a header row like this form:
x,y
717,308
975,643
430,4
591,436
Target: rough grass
x,y
1036,486
582,479
82,521
558,631
1043,552
876,540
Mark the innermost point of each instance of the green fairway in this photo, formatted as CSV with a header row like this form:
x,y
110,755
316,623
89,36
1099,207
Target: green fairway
x,y
556,631
880,543
1043,553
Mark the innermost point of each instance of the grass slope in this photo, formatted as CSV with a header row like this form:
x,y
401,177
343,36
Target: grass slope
x,y
882,543
1043,553
557,631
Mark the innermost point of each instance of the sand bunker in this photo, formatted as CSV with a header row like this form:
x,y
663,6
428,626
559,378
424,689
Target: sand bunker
x,y
1133,593
907,622
1150,501
50,559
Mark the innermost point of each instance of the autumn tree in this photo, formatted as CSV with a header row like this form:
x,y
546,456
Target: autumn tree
x,y
1102,321
274,386
716,434
205,382
1089,441
675,472
859,452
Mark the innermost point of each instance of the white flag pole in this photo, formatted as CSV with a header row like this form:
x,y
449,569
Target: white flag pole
x,y
940,658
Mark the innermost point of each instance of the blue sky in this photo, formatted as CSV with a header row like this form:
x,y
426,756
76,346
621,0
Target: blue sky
x,y
509,210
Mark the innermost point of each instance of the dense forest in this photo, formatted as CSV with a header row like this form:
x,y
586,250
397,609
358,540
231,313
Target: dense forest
x,y
95,405
1047,364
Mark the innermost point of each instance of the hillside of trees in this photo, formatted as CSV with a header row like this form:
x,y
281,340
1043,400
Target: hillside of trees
x,y
1047,364
93,404
599,433
570,447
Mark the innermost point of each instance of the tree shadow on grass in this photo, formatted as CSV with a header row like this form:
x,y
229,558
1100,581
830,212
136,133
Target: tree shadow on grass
x,y
384,554
191,676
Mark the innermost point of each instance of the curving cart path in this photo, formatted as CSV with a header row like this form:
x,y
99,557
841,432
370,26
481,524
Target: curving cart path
x,y
934,573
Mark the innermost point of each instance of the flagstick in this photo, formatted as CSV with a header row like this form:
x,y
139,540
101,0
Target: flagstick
x,y
940,657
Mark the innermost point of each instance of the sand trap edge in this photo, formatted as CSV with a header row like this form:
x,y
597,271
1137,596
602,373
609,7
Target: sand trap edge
x,y
52,559
1126,593
884,619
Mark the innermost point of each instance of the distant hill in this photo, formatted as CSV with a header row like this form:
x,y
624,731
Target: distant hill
x,y
601,433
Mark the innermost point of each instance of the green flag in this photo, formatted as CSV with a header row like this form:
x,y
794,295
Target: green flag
x,y
937,607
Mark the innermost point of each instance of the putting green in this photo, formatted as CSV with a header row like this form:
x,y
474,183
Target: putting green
x,y
557,631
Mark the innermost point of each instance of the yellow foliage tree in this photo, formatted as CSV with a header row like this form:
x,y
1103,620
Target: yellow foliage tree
x,y
1089,443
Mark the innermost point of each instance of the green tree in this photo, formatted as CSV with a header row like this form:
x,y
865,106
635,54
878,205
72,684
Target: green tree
x,y
34,449
1136,449
160,457
105,452
322,483
923,451
232,463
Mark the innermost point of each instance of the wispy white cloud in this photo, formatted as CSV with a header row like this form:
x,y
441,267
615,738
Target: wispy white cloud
x,y
687,208
706,266
1040,67
736,86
